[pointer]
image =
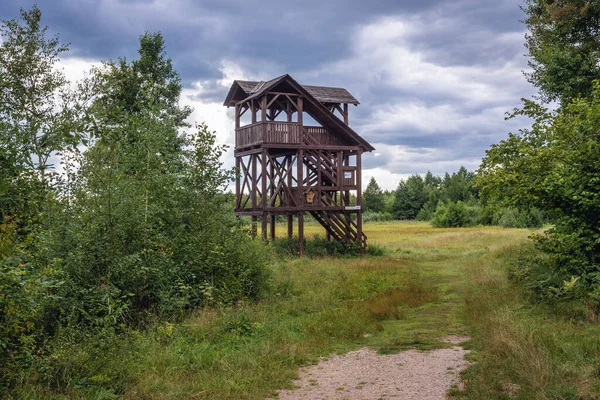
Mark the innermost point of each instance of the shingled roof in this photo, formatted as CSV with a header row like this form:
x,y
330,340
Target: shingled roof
x,y
324,94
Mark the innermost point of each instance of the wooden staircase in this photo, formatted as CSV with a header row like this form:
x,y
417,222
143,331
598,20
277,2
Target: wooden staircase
x,y
340,226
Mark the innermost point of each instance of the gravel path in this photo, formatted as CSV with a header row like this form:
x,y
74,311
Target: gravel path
x,y
364,374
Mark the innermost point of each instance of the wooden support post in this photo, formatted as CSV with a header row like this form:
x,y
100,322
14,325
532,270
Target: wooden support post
x,y
346,192
359,214
300,176
273,227
253,109
272,193
263,109
238,176
301,233
290,218
254,226
300,201
346,113
253,201
237,115
263,191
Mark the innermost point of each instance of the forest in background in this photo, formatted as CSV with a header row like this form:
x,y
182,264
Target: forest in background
x,y
449,202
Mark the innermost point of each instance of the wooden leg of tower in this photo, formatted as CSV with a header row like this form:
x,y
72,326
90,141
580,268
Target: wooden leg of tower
x,y
359,227
290,221
254,226
263,192
301,233
328,236
272,227
264,226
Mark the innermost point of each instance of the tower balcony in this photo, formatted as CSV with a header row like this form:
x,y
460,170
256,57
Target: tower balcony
x,y
275,132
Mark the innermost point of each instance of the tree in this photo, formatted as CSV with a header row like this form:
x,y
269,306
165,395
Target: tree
x,y
373,199
146,227
459,186
555,166
564,47
431,189
409,198
147,81
34,94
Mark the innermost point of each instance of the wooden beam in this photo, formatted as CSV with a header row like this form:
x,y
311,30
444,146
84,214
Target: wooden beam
x,y
238,175
310,146
264,192
272,192
238,153
346,113
300,201
263,108
359,221
301,234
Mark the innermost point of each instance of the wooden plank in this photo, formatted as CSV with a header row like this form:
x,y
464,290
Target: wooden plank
x,y
309,147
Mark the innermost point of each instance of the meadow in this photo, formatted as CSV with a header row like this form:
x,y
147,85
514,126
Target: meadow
x,y
430,283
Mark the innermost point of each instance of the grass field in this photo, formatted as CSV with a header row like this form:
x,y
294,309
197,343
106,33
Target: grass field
x,y
430,283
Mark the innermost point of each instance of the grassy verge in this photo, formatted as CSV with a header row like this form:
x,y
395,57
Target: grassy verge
x,y
408,298
524,350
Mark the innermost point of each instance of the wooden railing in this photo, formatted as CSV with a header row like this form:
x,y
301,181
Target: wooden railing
x,y
249,135
268,132
283,132
321,135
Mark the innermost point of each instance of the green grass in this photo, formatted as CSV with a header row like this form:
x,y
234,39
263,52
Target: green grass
x,y
430,283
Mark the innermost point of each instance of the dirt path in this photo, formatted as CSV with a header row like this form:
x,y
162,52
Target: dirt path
x,y
364,374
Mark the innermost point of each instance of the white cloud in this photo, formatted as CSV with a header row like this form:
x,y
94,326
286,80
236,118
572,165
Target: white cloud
x,y
390,163
383,56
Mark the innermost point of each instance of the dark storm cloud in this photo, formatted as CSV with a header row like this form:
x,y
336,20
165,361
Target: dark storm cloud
x,y
434,77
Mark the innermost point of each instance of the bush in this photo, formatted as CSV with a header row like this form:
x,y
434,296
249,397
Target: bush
x,y
517,218
381,216
320,247
453,215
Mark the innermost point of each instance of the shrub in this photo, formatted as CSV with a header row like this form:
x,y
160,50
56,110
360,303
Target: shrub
x,y
517,218
453,215
320,247
381,216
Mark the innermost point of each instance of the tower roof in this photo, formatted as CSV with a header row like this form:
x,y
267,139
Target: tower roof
x,y
324,94
315,99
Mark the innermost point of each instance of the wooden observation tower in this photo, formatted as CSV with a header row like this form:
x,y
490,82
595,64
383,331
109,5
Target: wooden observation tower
x,y
288,167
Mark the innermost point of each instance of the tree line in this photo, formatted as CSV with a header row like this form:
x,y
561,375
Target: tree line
x,y
451,201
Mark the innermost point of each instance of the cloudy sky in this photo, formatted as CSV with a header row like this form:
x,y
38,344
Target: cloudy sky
x,y
434,77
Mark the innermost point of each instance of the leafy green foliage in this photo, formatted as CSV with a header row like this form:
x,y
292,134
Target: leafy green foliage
x,y
320,247
137,228
376,216
554,166
511,217
563,45
453,215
